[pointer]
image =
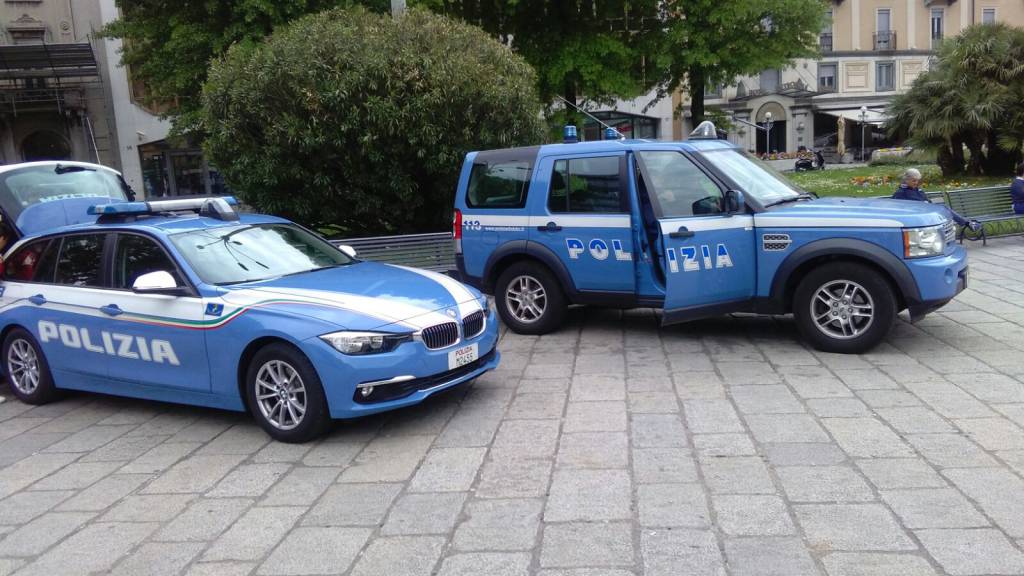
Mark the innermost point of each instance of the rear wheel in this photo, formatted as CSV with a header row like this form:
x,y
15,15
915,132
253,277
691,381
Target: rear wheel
x,y
529,299
285,395
844,307
26,369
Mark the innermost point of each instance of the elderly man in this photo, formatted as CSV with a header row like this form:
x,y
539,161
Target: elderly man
x,y
910,189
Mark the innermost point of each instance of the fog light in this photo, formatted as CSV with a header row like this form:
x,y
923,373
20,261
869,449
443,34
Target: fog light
x,y
366,391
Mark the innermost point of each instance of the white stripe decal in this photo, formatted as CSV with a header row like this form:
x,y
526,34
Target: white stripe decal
x,y
702,224
583,221
824,222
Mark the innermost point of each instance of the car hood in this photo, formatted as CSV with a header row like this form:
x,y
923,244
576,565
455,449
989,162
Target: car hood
x,y
854,213
363,296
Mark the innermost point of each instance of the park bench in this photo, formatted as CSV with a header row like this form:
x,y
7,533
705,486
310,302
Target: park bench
x,y
434,252
992,207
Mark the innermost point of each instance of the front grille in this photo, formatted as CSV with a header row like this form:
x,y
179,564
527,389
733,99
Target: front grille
x,y
441,335
949,232
403,389
473,324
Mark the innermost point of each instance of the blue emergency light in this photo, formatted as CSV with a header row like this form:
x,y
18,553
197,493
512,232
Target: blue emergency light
x,y
219,204
569,135
611,133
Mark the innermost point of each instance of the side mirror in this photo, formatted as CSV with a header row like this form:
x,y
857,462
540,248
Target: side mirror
x,y
348,250
733,201
158,282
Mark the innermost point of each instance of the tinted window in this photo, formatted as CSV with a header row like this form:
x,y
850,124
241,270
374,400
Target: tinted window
x,y
586,185
499,184
678,186
138,255
80,261
33,262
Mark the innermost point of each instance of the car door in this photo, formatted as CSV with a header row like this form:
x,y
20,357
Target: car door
x,y
585,220
709,256
158,336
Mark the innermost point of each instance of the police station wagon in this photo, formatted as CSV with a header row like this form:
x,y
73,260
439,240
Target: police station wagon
x,y
185,300
695,228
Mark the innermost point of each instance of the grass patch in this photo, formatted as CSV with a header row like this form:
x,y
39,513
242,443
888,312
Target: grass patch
x,y
883,180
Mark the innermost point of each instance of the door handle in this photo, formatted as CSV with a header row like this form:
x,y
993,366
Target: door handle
x,y
38,299
111,310
683,232
549,227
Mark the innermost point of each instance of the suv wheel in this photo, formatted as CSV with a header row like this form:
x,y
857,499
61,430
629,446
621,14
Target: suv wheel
x,y
285,395
529,299
26,370
844,307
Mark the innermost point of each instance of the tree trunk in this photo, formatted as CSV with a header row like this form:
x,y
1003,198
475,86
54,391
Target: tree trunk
x,y
696,79
957,160
975,163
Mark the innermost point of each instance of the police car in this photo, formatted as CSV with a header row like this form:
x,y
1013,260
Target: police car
x,y
695,228
185,300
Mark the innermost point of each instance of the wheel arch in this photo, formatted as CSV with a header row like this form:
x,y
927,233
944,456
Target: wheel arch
x,y
249,352
3,336
525,251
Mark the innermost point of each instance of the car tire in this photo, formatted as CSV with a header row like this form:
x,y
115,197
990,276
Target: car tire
x,y
529,299
844,307
297,411
26,370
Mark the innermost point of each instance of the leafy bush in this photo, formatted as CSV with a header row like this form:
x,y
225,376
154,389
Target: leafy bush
x,y
360,121
914,158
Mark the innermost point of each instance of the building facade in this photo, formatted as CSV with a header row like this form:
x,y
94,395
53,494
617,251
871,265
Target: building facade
x,y
871,50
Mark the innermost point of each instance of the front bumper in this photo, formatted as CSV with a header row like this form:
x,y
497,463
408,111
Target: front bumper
x,y
341,374
938,280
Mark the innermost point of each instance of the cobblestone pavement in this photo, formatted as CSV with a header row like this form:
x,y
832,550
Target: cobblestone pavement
x,y
610,448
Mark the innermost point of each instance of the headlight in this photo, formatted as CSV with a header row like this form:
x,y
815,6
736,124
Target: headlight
x,y
922,242
360,343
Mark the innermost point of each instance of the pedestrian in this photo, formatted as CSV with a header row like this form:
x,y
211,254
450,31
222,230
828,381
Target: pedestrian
x,y
910,189
1017,190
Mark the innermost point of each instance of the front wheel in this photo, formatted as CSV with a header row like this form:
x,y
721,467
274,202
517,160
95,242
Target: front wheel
x,y
285,395
529,299
26,369
846,308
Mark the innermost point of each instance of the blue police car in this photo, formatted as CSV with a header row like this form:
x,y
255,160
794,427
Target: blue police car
x,y
185,300
695,228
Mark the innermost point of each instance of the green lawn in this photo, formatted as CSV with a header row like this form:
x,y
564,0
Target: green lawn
x,y
883,180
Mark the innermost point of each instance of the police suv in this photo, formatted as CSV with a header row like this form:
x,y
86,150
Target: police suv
x,y
696,228
185,300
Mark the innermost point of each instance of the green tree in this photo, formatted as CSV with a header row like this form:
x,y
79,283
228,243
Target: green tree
x,y
711,42
169,44
358,120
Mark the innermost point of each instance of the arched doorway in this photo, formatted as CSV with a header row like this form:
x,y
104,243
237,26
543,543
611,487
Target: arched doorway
x,y
777,142
45,145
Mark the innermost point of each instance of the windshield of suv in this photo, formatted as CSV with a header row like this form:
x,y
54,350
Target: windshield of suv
x,y
24,187
753,177
245,253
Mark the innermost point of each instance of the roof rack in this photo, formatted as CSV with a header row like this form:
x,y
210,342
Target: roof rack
x,y
219,207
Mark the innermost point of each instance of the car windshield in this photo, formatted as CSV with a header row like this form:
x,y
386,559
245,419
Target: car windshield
x,y
22,188
247,253
753,177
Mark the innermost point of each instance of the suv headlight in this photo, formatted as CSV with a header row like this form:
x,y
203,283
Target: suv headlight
x,y
922,242
361,343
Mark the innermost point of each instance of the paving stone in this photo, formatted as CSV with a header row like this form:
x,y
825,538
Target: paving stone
x,y
309,550
814,382
769,556
123,449
245,438
76,476
28,470
336,454
916,420
195,474
388,459
770,399
698,385
160,458
89,439
851,527
532,406
595,417
281,452
871,379
353,505
782,428
471,427
10,565
672,505
823,484
838,408
597,385
24,506
993,433
969,552
950,401
400,556
492,564
711,416
657,431
499,525
723,445
204,520
750,515
681,553
737,475
93,549
448,470
250,480
652,403
301,487
998,491
148,508
815,454
890,473
38,535
514,478
933,508
866,438
424,514
587,544
747,373
104,493
527,438
158,559
991,387
543,386
876,564
663,465
589,495
888,398
254,534
950,451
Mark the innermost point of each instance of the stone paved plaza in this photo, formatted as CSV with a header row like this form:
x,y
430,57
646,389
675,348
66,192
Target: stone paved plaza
x,y
610,448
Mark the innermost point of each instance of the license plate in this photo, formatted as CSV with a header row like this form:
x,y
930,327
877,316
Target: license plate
x,y
462,356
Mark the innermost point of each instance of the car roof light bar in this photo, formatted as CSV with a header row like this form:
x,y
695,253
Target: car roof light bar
x,y
202,205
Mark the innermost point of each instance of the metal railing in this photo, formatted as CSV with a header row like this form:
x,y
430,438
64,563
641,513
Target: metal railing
x,y
885,40
434,252
825,41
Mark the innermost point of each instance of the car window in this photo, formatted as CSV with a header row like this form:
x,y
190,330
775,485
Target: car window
x,y
22,188
679,188
753,177
499,184
81,260
586,185
33,262
137,255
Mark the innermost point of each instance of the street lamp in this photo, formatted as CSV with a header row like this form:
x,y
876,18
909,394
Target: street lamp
x,y
768,133
863,125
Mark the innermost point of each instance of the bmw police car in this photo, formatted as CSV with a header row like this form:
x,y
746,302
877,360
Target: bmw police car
x,y
696,228
184,300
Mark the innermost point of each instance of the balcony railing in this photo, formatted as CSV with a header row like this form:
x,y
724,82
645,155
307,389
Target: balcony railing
x,y
825,41
885,40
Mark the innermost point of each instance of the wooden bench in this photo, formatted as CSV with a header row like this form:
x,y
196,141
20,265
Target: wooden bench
x,y
991,207
434,252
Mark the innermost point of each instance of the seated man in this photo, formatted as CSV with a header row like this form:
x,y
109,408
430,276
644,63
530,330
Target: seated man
x,y
910,190
1017,190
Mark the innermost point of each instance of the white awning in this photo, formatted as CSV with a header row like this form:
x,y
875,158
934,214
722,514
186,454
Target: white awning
x,y
854,115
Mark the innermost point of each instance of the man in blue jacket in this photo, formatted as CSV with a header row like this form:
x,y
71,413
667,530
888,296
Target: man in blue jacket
x,y
1017,190
910,190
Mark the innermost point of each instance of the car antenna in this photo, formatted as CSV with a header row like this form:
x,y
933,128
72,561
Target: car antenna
x,y
591,116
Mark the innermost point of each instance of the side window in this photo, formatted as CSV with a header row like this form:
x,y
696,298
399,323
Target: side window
x,y
81,260
138,255
678,186
587,185
33,262
499,184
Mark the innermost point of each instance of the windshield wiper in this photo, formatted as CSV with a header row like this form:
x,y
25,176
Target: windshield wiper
x,y
797,198
62,169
